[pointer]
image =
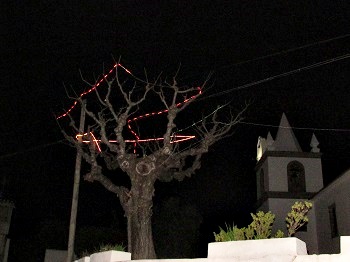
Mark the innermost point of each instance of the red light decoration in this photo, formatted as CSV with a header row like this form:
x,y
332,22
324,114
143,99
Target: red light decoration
x,y
94,88
175,138
137,138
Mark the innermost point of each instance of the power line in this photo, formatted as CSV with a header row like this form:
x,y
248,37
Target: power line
x,y
270,55
243,87
222,67
298,70
232,90
31,149
294,127
188,127
288,50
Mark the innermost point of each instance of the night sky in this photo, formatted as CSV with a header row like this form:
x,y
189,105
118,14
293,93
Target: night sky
x,y
46,45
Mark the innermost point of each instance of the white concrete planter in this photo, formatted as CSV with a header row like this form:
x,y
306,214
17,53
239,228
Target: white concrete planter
x,y
282,249
83,259
110,256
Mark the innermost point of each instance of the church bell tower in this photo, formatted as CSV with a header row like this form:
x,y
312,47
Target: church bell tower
x,y
285,174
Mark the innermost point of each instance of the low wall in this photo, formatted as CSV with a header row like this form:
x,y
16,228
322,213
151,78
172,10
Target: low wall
x,y
263,250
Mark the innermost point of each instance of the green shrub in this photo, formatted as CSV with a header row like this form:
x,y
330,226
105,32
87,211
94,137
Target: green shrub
x,y
279,234
108,247
249,232
262,224
296,218
230,234
261,227
102,248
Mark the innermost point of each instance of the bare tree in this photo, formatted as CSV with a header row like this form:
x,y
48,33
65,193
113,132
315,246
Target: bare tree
x,y
144,163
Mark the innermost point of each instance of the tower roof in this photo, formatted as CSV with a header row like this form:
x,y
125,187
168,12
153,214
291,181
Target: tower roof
x,y
314,144
285,138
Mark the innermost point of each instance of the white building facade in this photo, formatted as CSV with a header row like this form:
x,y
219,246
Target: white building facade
x,y
285,174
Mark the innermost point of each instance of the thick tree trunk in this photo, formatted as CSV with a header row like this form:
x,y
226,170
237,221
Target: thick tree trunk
x,y
139,216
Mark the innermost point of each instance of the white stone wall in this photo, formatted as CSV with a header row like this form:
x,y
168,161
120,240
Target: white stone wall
x,y
265,250
277,173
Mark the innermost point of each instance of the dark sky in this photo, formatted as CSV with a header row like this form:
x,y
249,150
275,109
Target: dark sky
x,y
44,46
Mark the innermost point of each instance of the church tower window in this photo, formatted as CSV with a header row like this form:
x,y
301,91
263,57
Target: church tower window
x,y
296,177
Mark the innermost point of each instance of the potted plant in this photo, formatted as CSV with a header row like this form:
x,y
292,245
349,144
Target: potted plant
x,y
261,241
110,253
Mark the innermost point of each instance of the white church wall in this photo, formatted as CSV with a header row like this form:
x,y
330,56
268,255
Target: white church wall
x,y
264,207
310,236
313,174
280,207
278,178
277,174
262,172
337,195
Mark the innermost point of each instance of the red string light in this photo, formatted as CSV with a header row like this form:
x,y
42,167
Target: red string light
x,y
175,138
93,88
137,138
